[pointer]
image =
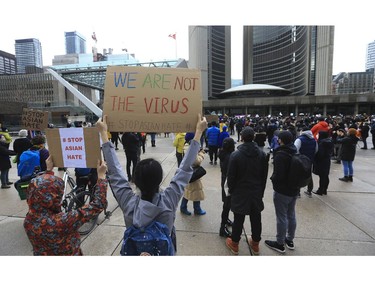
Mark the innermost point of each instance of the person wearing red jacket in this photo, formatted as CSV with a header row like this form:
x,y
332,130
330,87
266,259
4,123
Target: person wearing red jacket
x,y
320,126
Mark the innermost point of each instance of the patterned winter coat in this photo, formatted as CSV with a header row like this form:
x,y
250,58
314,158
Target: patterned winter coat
x,y
51,231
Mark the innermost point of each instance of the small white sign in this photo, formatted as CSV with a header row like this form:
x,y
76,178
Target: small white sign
x,y
73,147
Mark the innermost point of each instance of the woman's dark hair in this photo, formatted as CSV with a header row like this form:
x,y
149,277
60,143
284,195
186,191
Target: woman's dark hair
x,y
148,175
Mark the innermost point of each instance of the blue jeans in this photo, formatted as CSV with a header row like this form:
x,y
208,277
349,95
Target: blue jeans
x,y
4,176
348,167
286,222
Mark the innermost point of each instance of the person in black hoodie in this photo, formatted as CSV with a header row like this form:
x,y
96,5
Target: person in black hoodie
x,y
247,176
364,128
224,154
5,164
130,142
322,162
284,197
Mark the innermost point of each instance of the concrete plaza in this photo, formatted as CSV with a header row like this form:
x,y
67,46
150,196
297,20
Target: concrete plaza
x,y
339,224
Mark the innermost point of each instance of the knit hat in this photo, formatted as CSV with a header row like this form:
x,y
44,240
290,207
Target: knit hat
x,y
286,137
22,133
247,134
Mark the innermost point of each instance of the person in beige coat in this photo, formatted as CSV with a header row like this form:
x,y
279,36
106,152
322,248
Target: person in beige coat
x,y
194,191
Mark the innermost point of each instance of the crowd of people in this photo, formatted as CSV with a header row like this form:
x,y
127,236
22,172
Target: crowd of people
x,y
244,173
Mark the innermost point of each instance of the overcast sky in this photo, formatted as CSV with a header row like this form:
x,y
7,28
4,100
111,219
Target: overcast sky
x,y
142,27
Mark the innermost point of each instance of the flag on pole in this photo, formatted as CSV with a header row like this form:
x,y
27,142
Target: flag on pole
x,y
93,36
172,36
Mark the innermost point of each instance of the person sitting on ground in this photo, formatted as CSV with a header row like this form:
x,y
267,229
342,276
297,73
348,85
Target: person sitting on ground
x,y
51,231
152,204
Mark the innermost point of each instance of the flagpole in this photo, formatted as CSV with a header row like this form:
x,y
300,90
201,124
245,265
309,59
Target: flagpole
x,y
174,37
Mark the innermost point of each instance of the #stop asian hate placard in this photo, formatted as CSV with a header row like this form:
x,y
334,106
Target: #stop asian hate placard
x,y
150,99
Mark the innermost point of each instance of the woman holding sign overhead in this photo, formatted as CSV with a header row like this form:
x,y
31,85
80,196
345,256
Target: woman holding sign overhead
x,y
152,204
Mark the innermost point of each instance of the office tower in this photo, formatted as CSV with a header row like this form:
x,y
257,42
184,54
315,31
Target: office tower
x,y
7,63
210,51
75,43
370,56
28,54
297,58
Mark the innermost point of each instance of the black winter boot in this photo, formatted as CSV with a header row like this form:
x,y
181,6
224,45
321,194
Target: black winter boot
x,y
345,179
350,178
224,231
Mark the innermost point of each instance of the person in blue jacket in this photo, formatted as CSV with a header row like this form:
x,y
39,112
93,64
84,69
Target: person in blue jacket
x,y
212,135
223,135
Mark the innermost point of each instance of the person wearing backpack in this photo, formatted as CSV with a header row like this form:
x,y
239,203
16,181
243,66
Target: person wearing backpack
x,y
284,195
34,157
153,207
307,145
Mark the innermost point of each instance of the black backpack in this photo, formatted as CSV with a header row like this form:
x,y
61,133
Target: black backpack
x,y
299,170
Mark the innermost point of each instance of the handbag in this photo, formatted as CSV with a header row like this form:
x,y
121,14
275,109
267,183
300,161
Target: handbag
x,y
197,173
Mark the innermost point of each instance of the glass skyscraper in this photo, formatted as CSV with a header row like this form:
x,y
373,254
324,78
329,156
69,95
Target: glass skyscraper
x,y
370,56
210,51
297,58
28,54
7,63
75,43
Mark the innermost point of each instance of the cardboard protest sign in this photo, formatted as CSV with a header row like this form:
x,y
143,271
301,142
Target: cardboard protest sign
x,y
74,147
145,99
211,118
35,120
